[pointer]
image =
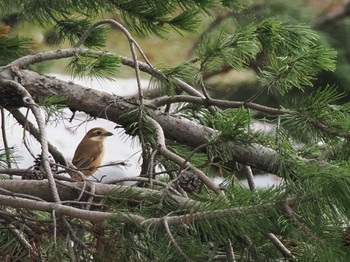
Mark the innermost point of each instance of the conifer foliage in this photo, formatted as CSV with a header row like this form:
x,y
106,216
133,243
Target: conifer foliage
x,y
177,211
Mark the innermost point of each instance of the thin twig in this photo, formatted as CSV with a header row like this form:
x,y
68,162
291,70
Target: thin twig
x,y
72,233
173,240
91,196
120,27
281,248
141,179
53,213
70,248
151,166
30,103
132,44
164,100
24,136
230,253
4,138
139,220
27,125
21,239
250,177
163,150
28,60
288,211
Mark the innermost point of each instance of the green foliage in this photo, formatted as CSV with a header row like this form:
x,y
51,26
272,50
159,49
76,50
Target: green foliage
x,y
281,39
196,158
94,65
233,126
54,106
55,251
314,118
151,17
134,121
309,207
187,21
8,156
166,83
72,30
12,48
287,158
284,73
8,245
222,47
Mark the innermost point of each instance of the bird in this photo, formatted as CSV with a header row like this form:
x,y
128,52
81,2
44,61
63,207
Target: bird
x,y
89,153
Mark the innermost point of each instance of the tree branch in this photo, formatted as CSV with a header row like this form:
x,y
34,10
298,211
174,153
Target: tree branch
x,y
160,101
71,190
28,100
163,150
104,105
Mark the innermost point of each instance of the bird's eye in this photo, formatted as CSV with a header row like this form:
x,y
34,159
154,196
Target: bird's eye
x,y
98,132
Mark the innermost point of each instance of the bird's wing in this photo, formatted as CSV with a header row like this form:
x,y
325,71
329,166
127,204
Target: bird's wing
x,y
85,156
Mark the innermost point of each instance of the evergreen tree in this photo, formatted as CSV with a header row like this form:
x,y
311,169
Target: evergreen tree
x,y
183,215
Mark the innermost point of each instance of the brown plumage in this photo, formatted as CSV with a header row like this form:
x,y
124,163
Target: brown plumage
x,y
89,153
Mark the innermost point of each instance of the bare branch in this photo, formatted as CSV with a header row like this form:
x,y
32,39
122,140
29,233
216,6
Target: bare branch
x,y
173,240
128,218
250,177
286,208
279,245
163,150
160,101
28,100
70,191
230,254
20,238
96,216
21,119
4,138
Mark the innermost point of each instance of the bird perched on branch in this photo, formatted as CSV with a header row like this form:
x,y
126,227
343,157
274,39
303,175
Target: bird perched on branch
x,y
89,153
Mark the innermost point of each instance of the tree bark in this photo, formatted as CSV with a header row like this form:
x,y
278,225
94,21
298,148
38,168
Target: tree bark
x,y
104,105
69,191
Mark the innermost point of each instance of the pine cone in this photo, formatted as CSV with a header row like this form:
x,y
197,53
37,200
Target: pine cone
x,y
36,173
189,182
33,175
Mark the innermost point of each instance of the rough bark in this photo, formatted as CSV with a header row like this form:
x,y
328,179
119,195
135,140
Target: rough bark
x,y
69,191
103,105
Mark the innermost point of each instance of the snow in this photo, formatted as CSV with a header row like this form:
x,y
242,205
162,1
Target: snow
x,y
65,136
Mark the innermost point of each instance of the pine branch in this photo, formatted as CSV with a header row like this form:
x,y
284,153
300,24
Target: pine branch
x,y
173,240
163,150
279,245
28,100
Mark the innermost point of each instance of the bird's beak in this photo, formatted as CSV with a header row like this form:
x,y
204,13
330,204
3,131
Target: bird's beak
x,y
107,134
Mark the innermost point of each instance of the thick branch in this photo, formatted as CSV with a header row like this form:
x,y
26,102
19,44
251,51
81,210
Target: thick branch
x,y
59,209
71,190
104,105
